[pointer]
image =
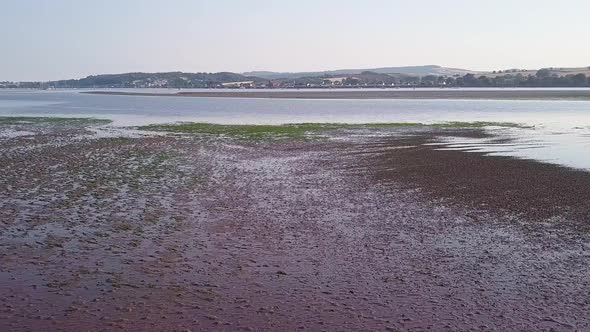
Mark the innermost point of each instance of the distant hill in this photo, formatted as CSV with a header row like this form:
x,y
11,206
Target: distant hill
x,y
550,71
154,80
407,70
409,76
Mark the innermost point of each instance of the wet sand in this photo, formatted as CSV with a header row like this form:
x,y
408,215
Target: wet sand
x,y
366,233
541,94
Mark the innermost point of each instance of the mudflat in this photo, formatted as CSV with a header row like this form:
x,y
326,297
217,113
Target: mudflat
x,y
532,94
104,229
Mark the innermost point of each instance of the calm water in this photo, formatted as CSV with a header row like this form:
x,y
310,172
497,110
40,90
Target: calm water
x,y
561,134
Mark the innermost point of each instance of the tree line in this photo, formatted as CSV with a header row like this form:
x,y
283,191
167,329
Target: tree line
x,y
543,78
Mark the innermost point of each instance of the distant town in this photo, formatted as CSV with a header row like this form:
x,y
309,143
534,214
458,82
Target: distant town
x,y
393,77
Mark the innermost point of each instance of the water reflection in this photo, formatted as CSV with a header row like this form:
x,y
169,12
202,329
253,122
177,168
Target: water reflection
x,y
565,147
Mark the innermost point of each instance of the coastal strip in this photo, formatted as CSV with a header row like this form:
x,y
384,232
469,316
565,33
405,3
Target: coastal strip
x,y
371,94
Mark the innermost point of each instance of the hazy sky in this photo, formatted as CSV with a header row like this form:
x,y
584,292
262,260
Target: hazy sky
x,y
57,39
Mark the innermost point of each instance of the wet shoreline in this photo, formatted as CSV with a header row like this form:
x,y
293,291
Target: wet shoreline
x,y
492,94
369,232
535,190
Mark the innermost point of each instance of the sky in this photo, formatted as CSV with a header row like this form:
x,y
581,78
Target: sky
x,y
61,39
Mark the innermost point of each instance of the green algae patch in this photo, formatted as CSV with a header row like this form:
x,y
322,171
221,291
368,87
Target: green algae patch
x,y
477,124
300,130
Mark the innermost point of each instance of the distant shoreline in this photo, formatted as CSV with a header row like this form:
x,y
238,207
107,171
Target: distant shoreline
x,y
364,94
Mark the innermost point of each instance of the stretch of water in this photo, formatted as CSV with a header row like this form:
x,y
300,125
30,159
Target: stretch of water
x,y
561,132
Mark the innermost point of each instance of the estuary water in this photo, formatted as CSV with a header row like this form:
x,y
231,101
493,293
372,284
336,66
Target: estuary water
x,y
559,133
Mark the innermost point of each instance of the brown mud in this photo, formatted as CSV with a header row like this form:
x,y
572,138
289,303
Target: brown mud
x,y
356,233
